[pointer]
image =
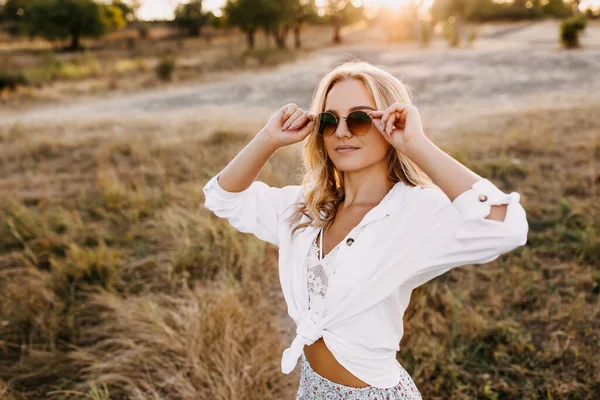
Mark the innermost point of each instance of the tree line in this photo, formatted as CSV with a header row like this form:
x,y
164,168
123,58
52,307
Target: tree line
x,y
74,19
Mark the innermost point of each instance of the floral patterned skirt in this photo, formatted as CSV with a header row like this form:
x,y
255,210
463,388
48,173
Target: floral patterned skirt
x,y
313,386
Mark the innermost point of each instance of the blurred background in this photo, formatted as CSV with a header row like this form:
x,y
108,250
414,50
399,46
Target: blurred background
x,y
116,282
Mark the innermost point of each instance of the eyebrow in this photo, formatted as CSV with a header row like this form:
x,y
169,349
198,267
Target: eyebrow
x,y
353,109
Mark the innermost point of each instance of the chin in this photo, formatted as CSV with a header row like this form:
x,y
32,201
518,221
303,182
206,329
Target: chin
x,y
348,165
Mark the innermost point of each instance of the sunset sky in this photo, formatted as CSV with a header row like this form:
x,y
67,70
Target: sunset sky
x,y
163,9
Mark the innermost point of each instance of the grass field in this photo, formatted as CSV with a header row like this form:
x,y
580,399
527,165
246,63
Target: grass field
x,y
113,273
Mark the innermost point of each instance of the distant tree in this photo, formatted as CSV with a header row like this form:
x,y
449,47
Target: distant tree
x,y
11,10
127,10
74,19
189,17
304,11
248,15
340,13
214,21
557,8
456,11
11,14
278,19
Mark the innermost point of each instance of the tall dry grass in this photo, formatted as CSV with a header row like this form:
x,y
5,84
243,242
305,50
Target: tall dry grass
x,y
116,283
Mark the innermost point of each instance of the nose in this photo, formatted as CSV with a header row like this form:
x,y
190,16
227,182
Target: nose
x,y
342,129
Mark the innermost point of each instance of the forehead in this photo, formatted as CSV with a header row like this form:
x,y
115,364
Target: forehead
x,y
347,94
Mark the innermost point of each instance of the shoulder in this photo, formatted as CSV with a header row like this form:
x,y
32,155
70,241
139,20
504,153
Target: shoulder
x,y
290,194
428,197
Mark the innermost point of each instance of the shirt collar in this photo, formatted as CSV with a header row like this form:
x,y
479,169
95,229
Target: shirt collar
x,y
389,204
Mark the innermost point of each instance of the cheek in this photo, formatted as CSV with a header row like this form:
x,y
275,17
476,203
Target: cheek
x,y
377,147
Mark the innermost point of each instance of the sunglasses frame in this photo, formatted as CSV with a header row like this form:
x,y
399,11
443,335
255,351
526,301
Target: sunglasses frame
x,y
337,122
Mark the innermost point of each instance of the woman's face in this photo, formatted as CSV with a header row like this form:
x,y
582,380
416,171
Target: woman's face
x,y
343,98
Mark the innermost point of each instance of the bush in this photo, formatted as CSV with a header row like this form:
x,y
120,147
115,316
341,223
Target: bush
x,y
164,69
570,29
10,80
143,31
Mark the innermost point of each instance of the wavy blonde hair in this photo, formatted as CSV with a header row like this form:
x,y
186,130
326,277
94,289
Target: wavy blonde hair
x,y
323,183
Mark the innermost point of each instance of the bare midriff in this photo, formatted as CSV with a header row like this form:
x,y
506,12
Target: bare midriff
x,y
324,363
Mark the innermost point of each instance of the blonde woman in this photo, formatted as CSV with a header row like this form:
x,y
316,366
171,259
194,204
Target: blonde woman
x,y
366,226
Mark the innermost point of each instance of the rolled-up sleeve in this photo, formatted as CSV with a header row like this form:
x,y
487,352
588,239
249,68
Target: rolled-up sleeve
x,y
461,234
255,210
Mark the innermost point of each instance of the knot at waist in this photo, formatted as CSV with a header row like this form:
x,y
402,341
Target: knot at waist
x,y
307,332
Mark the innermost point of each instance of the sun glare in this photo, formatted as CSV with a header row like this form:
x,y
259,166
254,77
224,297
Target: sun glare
x,y
394,4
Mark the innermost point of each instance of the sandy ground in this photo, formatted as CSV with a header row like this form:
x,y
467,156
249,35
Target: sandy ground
x,y
508,68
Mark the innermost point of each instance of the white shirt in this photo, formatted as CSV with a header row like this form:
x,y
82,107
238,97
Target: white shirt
x,y
412,236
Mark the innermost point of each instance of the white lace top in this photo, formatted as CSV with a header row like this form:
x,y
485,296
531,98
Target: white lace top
x,y
319,271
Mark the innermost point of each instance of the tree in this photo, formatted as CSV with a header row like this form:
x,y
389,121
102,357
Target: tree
x,y
456,11
340,13
304,11
248,15
189,17
278,19
128,10
11,14
63,19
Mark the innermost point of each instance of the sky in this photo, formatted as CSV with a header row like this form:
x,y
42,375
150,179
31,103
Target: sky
x,y
163,9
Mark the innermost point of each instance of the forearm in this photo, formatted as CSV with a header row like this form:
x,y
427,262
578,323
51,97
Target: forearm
x,y
239,174
448,173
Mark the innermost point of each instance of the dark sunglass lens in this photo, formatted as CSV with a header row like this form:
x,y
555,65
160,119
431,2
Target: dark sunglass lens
x,y
359,122
327,123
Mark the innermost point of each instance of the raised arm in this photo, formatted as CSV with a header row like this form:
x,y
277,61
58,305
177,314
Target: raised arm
x,y
468,221
459,232
252,206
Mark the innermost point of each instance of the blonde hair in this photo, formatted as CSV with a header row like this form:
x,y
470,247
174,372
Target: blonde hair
x,y
323,183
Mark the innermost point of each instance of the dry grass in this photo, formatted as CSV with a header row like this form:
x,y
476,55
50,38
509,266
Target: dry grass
x,y
112,273
526,325
125,64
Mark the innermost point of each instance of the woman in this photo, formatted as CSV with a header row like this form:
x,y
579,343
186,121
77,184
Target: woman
x,y
368,209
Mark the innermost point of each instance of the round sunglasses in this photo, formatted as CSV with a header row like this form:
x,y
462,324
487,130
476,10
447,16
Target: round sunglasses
x,y
359,123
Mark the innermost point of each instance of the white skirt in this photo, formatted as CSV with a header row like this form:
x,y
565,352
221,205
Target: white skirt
x,y
313,386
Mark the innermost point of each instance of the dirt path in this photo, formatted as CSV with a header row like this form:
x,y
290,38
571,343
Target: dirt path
x,y
507,69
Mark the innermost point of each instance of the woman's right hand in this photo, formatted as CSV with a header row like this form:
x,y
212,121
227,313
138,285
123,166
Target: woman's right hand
x,y
288,125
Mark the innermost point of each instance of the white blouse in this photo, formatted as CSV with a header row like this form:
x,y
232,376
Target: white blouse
x,y
412,236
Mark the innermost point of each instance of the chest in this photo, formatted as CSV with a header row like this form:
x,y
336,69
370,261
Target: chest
x,y
343,224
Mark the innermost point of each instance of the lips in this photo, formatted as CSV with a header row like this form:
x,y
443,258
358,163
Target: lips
x,y
345,147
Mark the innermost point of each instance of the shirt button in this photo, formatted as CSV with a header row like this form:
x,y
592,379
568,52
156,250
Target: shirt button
x,y
349,241
482,197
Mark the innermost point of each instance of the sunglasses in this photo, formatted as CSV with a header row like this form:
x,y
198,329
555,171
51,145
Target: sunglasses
x,y
359,123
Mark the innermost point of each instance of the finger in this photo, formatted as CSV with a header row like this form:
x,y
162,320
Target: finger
x,y
375,114
385,116
288,110
379,125
390,124
312,116
307,129
300,121
292,118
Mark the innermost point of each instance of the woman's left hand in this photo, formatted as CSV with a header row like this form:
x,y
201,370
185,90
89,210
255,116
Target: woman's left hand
x,y
399,124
